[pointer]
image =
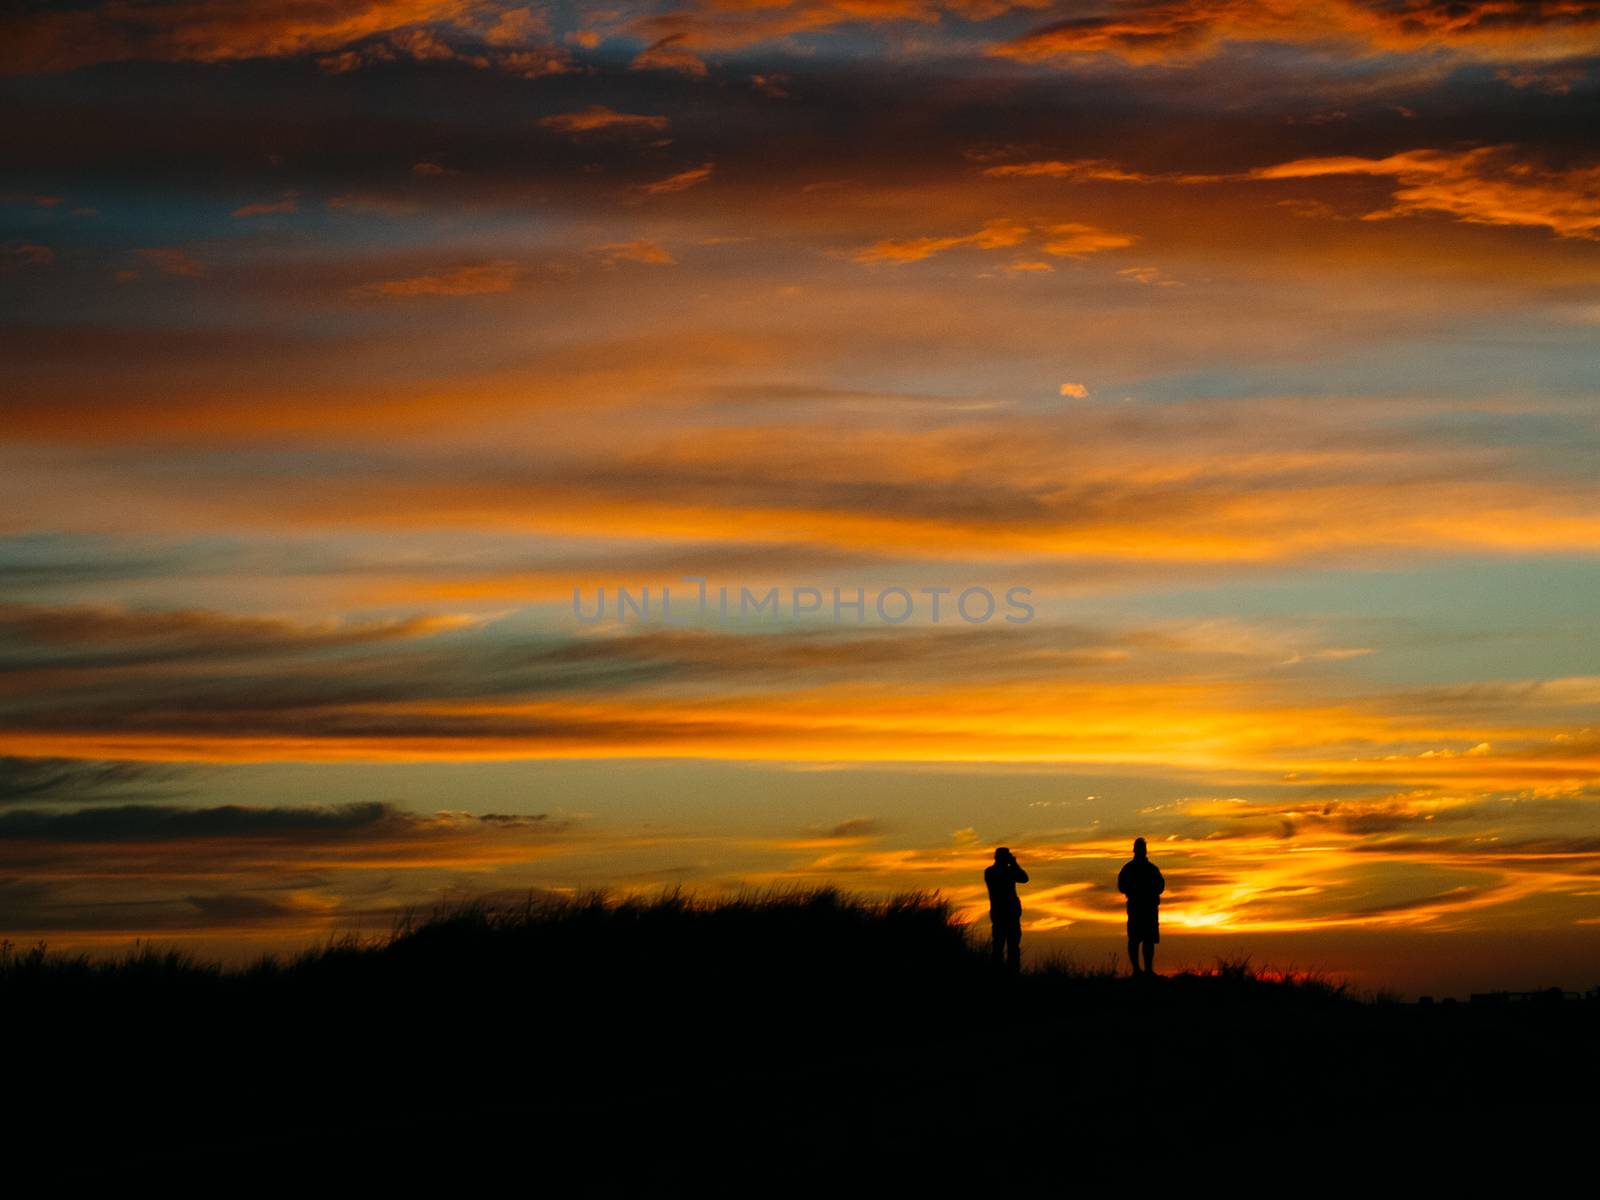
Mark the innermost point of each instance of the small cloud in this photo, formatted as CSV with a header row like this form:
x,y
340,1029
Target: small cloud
x,y
1077,170
431,170
25,254
1328,117
856,827
1029,266
771,85
170,260
1148,276
347,61
999,234
682,181
424,45
1071,241
1553,81
517,27
478,279
1315,210
640,251
287,203
368,202
1075,390
598,118
995,235
534,64
669,55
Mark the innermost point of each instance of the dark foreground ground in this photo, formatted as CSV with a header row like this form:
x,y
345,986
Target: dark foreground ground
x,y
805,1044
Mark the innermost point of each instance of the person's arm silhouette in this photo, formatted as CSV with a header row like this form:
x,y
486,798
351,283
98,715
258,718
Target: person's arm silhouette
x,y
1017,872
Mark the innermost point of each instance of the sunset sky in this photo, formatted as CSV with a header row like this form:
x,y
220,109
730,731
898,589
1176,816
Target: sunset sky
x,y
345,339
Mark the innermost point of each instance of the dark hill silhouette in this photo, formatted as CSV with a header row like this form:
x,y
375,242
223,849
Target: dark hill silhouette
x,y
765,1045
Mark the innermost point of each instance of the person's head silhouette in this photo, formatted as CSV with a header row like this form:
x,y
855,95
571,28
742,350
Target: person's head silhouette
x,y
1138,848
1002,854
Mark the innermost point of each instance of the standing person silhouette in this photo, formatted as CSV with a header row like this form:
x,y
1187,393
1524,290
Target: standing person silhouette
x,y
1005,907
1140,881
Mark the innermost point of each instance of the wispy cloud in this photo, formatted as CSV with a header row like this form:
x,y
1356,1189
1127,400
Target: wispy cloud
x,y
288,203
475,279
597,118
682,181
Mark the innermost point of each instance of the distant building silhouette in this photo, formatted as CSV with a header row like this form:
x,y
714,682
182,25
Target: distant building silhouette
x,y
1553,995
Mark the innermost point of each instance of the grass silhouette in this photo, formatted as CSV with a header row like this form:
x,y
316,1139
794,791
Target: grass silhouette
x,y
771,1042
787,945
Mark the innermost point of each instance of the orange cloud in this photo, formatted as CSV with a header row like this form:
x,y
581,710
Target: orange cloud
x,y
478,279
682,181
637,251
179,30
1072,241
1485,186
598,117
1090,170
1489,185
347,34
995,235
1145,32
669,54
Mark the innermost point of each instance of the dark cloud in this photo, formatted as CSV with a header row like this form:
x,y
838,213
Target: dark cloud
x,y
19,897
31,780
857,827
1531,853
136,822
112,672
1456,897
233,908
45,563
43,638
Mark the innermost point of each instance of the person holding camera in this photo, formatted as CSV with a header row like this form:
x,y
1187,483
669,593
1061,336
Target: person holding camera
x,y
1005,907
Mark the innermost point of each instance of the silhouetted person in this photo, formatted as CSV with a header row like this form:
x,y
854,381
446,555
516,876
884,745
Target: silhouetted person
x,y
1005,907
1142,884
